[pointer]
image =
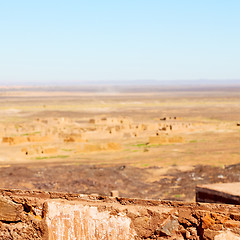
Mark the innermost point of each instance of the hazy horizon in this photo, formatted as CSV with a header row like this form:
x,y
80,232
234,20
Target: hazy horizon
x,y
173,83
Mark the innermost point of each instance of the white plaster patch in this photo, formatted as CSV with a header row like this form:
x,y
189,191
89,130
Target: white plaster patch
x,y
74,221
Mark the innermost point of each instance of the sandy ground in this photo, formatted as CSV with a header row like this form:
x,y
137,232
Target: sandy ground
x,y
206,120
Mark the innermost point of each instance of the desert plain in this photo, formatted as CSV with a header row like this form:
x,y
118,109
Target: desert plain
x,y
146,142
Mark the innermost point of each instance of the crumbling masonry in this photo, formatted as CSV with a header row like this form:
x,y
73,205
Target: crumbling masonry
x,y
60,216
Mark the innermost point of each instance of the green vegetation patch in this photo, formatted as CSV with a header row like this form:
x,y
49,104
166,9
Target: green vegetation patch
x,y
193,141
28,134
146,145
67,150
179,195
51,157
140,145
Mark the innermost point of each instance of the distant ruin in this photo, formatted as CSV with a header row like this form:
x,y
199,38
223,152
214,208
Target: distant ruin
x,y
68,151
45,136
165,139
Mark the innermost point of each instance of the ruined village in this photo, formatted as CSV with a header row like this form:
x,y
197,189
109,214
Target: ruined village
x,y
140,162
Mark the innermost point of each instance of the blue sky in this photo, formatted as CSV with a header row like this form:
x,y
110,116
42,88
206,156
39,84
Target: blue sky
x,y
69,42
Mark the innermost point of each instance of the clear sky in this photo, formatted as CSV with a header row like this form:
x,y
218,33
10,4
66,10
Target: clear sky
x,y
68,42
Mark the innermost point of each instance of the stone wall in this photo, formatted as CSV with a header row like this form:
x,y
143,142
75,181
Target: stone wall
x,y
46,215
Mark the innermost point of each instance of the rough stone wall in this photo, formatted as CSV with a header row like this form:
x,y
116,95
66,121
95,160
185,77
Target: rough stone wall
x,y
59,216
21,217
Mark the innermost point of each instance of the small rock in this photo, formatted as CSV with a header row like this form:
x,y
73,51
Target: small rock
x,y
207,221
193,231
94,195
188,234
169,226
228,235
122,167
114,193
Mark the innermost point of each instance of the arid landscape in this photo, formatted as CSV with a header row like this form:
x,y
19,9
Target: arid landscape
x,y
145,142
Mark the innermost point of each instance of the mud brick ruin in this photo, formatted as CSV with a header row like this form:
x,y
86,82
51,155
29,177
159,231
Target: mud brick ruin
x,y
48,215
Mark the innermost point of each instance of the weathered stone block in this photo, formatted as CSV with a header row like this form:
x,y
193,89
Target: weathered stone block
x,y
9,211
228,193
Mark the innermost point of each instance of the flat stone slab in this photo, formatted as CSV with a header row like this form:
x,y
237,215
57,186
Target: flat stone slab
x,y
228,193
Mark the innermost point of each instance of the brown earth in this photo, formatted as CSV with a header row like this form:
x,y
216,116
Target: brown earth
x,y
202,123
133,182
